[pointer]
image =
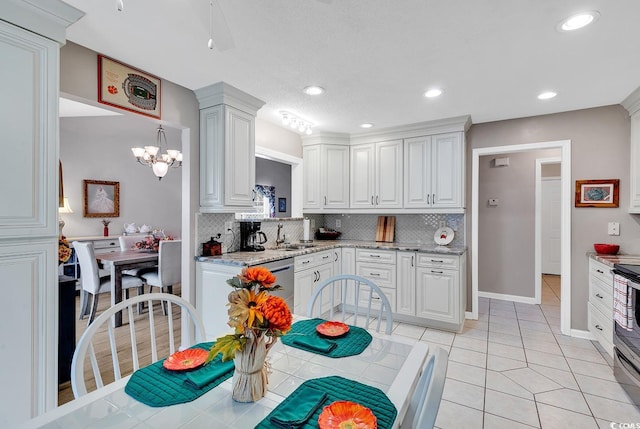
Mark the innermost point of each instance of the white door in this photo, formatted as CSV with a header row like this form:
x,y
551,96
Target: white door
x,y
550,229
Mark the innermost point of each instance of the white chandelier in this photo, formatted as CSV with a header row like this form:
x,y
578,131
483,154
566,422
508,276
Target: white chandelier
x,y
159,163
296,122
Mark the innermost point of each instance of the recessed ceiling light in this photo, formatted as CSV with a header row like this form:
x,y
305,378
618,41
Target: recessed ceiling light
x,y
313,90
546,95
579,20
433,93
367,125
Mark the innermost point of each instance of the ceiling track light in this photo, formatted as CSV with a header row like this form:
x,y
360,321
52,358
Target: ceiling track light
x,y
119,5
295,123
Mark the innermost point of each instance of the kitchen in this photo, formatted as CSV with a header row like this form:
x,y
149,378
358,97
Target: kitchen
x,y
590,158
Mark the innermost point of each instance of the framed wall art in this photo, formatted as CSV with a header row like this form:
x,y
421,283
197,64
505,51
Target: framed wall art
x,y
597,193
282,204
101,198
124,87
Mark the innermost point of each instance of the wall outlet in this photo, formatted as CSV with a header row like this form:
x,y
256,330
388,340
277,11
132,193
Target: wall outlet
x,y
443,223
312,224
338,223
613,228
228,227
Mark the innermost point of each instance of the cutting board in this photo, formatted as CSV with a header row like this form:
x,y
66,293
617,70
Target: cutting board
x,y
385,228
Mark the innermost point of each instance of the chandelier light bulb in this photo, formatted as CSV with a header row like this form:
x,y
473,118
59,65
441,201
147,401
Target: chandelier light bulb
x,y
210,44
149,156
119,5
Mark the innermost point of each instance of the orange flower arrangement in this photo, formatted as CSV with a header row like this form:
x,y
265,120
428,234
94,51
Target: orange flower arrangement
x,y
252,311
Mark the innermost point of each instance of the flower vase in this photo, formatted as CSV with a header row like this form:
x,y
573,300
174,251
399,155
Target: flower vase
x,y
105,231
250,376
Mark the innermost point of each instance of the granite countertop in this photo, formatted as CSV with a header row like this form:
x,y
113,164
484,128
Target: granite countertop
x,y
271,254
609,260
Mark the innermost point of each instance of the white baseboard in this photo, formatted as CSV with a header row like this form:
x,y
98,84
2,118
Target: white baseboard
x,y
469,315
505,297
579,333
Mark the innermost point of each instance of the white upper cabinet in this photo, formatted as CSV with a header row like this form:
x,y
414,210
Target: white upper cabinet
x,y
227,147
326,172
433,173
376,175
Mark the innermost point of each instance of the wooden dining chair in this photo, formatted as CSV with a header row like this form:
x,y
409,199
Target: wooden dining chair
x,y
351,295
93,284
425,402
169,271
122,357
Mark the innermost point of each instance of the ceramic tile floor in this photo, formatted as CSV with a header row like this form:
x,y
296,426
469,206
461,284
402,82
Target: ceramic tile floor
x,y
513,368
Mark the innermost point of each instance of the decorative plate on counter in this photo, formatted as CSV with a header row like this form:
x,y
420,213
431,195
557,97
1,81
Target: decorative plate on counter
x,y
444,236
332,329
185,359
345,414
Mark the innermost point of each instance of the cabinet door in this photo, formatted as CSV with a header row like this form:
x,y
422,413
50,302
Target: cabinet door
x,y
304,282
388,174
417,172
446,171
337,261
335,176
211,153
437,295
240,164
325,272
406,284
348,261
312,177
362,188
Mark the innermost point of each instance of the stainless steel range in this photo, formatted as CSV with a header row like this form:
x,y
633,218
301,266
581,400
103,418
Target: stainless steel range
x,y
626,340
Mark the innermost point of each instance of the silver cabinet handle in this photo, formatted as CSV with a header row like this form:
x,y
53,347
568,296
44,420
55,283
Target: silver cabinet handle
x,y
371,199
435,260
433,198
377,200
318,275
373,256
305,262
599,296
598,327
600,271
375,274
336,260
428,199
325,200
437,272
325,257
412,261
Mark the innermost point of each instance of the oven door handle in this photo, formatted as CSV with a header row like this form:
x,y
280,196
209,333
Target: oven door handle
x,y
630,282
627,367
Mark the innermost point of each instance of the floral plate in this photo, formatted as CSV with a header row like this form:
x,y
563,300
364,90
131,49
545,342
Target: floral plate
x,y
185,359
345,414
332,329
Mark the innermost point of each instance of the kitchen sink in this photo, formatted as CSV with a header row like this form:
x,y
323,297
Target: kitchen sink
x,y
298,246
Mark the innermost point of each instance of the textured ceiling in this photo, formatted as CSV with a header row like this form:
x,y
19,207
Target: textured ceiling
x,y
375,58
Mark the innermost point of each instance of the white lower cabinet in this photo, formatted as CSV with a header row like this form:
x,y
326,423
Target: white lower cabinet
x,y
309,271
378,266
437,294
600,316
406,283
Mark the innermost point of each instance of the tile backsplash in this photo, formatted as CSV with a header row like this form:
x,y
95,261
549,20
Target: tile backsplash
x,y
410,228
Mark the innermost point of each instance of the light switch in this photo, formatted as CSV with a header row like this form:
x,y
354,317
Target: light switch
x,y
338,223
614,228
493,202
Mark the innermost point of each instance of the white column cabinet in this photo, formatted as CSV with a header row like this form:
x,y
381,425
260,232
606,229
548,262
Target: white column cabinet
x,y
433,173
440,293
376,175
406,283
326,176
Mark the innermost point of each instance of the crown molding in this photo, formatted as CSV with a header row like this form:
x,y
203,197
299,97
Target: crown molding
x,y
223,93
632,102
326,138
441,126
48,18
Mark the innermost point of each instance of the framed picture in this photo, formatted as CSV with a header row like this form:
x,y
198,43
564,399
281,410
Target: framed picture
x,y
101,199
282,204
124,87
597,193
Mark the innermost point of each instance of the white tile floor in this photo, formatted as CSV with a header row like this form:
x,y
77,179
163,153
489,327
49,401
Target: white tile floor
x,y
513,368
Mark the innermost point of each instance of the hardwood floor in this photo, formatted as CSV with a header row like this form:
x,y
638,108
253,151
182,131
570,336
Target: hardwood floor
x,y
103,350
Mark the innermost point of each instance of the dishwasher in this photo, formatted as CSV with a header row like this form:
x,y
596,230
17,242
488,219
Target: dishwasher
x,y
283,270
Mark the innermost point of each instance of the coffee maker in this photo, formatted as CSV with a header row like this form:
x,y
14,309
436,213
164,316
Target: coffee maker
x,y
251,238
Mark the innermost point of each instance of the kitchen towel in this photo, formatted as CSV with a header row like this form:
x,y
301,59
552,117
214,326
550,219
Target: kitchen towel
x,y
622,302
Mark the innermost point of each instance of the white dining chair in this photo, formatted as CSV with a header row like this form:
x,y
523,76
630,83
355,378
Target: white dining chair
x,y
169,271
128,242
425,402
143,330
351,295
93,284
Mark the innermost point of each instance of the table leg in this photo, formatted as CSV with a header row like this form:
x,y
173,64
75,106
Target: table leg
x,y
116,292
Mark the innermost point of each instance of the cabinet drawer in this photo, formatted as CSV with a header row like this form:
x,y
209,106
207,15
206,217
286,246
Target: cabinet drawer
x,y
313,260
363,301
601,296
381,275
435,260
600,271
377,256
600,327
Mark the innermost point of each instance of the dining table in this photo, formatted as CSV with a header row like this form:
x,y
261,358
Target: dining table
x,y
116,263
392,364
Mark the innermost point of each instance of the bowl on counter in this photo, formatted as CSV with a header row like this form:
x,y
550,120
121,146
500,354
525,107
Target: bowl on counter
x,y
606,249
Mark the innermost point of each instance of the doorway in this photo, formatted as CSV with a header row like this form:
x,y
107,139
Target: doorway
x,y
565,221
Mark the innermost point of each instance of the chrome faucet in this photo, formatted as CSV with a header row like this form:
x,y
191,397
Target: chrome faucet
x,y
279,241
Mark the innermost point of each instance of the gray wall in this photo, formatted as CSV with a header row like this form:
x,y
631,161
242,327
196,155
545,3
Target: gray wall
x,y
506,233
272,173
99,148
599,150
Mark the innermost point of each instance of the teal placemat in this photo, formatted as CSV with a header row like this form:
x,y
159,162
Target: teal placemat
x,y
352,343
157,387
339,389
